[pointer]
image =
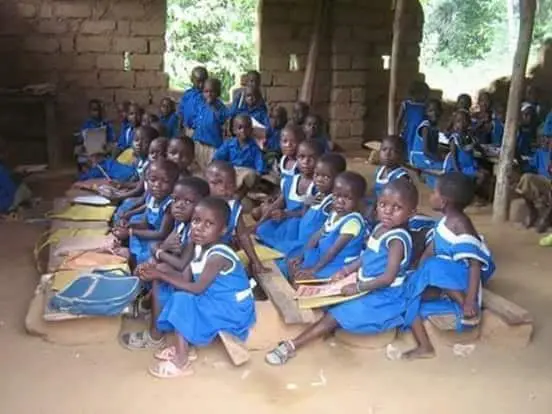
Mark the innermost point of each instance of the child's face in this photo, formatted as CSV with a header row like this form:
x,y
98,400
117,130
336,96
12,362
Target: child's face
x,y
210,93
184,201
311,127
527,117
146,120
220,184
159,183
156,150
253,81
139,143
392,210
459,123
166,107
178,153
278,118
306,160
288,143
323,177
198,79
345,200
436,200
122,110
134,116
207,226
433,113
250,98
242,129
389,154
299,113
463,103
484,102
95,111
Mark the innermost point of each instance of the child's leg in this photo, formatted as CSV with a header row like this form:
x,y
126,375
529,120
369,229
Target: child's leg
x,y
424,349
178,365
155,311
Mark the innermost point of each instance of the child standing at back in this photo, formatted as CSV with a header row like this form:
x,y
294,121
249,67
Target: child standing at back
x,y
169,117
252,85
134,118
299,113
192,98
314,130
380,275
452,268
411,113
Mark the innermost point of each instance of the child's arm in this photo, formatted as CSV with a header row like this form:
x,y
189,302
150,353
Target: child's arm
x,y
470,302
278,204
177,262
247,245
222,153
162,233
138,209
327,257
135,191
453,150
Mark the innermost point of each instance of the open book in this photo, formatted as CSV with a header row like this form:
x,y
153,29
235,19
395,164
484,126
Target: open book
x,y
310,296
94,140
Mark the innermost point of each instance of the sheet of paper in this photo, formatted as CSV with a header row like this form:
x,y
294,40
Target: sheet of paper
x,y
94,140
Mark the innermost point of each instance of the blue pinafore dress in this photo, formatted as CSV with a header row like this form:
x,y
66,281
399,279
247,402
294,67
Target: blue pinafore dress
x,y
465,158
227,305
447,269
235,212
414,114
381,180
419,159
381,309
287,172
130,203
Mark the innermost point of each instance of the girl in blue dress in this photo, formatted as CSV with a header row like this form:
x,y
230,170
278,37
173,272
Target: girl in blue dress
x,y
290,139
281,220
157,221
527,135
169,117
210,297
454,266
134,120
411,113
381,271
341,238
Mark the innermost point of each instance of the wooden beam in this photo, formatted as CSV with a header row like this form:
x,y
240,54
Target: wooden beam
x,y
320,18
511,313
501,197
394,68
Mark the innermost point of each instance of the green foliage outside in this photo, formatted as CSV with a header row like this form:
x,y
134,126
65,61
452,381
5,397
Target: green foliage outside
x,y
219,34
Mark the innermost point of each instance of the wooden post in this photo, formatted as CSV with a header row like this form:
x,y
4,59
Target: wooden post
x,y
501,198
320,18
394,68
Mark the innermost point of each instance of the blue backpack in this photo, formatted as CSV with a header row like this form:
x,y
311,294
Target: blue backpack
x,y
97,293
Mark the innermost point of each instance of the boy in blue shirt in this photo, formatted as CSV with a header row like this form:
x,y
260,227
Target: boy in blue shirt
x,y
192,98
208,123
95,120
134,120
243,153
252,82
169,117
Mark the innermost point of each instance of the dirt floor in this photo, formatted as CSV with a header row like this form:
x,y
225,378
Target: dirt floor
x,y
40,377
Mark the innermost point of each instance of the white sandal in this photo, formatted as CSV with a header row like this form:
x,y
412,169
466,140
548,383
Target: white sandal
x,y
169,370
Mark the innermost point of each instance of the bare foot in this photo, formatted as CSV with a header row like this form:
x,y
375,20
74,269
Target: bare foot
x,y
419,353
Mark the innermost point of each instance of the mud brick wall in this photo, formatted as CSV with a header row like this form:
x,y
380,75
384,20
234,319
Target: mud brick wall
x,y
79,45
351,82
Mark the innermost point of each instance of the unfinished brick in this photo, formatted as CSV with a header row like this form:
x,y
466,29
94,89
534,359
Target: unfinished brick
x,y
274,62
128,9
282,94
67,44
277,31
41,44
358,111
146,62
84,62
287,78
97,26
340,111
116,79
72,9
366,62
142,96
149,28
348,78
129,44
151,79
105,61
358,95
84,79
156,45
123,27
92,44
339,129
26,10
341,61
46,11
357,128
341,95
342,33
52,26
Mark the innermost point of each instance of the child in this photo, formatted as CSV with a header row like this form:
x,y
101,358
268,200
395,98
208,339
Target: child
x,y
252,85
169,117
278,121
292,136
208,123
212,296
381,271
391,156
340,239
452,268
253,106
499,117
221,177
300,112
243,153
181,152
95,120
134,118
156,225
148,119
13,191
527,134
281,220
192,98
536,188
101,166
411,113
313,130
122,112
464,101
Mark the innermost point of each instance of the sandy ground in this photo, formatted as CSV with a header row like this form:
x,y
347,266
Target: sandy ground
x,y
39,377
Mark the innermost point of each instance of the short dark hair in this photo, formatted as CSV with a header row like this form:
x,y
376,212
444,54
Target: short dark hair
x,y
335,161
216,85
406,189
296,130
253,73
355,181
170,100
465,96
457,188
218,205
437,103
199,185
189,143
224,167
148,133
397,143
244,117
159,127
200,72
95,101
313,145
170,167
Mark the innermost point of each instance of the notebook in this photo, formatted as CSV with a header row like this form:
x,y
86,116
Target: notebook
x,y
94,140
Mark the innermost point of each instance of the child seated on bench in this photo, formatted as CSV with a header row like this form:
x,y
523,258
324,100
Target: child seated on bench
x,y
169,117
13,191
95,120
341,238
453,267
291,137
134,120
181,152
211,296
381,271
314,130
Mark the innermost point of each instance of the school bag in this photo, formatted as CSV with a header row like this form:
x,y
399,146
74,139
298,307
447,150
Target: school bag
x,y
97,293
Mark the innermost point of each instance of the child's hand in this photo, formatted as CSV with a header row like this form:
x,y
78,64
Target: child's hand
x,y
141,268
294,263
339,275
470,310
150,274
278,215
349,290
122,233
171,243
304,274
257,268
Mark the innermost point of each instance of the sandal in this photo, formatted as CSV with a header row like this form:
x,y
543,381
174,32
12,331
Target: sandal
x,y
140,340
281,354
168,370
167,354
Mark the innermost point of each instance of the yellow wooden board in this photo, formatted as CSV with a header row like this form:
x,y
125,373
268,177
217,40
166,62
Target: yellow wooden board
x,y
320,302
264,253
85,213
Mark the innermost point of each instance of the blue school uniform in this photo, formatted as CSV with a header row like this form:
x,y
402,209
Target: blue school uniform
x,y
540,162
259,113
93,124
235,212
381,309
287,172
126,137
273,140
248,155
170,122
227,305
419,159
140,167
155,212
465,158
414,115
276,233
208,122
331,232
392,175
114,169
188,106
8,188
497,132
448,268
547,126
